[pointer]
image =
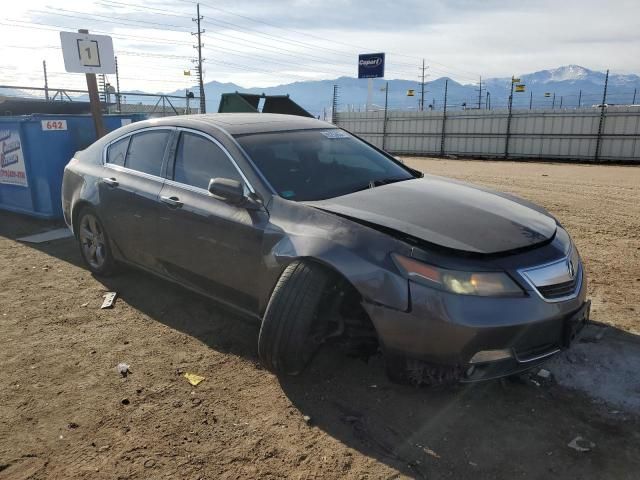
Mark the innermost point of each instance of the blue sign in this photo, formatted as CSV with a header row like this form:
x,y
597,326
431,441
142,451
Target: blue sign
x,y
371,65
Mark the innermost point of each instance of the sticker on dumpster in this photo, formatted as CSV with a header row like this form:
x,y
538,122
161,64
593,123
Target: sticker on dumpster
x,y
51,125
12,169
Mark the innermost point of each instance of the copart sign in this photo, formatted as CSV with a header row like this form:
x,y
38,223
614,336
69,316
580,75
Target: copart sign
x,y
12,168
371,65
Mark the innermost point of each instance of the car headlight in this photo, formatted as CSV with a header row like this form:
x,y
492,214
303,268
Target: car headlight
x,y
486,284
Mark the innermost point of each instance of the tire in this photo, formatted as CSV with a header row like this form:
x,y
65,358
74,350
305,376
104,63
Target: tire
x,y
92,237
285,344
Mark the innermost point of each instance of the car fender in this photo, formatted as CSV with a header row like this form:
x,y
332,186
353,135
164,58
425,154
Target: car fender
x,y
359,254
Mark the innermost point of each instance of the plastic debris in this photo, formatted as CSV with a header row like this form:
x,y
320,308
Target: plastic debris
x,y
123,369
109,299
428,451
542,373
48,236
580,444
307,419
193,378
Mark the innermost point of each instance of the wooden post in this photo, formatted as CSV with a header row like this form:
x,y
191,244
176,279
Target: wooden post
x,y
94,100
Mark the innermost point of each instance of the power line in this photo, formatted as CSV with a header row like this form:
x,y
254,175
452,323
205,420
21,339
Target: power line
x,y
445,69
321,38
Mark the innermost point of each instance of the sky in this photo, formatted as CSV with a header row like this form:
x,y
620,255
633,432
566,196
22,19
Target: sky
x,y
264,43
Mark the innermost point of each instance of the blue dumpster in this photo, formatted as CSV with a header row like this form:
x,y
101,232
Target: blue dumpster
x,y
34,150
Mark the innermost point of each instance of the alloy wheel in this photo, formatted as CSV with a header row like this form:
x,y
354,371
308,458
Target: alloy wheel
x,y
92,241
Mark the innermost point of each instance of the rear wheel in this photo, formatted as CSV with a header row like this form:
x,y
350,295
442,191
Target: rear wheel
x,y
288,338
94,243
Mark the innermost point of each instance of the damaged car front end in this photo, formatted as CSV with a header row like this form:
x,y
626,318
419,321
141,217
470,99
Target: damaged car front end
x,y
324,238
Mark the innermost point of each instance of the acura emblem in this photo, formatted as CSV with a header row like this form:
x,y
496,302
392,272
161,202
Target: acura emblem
x,y
571,268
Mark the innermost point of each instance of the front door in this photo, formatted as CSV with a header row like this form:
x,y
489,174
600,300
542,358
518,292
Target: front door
x,y
207,243
129,193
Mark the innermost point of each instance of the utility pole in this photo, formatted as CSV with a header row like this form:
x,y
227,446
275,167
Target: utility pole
x,y
46,82
384,125
634,96
561,97
480,94
530,99
487,101
553,104
102,82
94,100
422,85
334,105
506,142
601,123
203,105
580,98
444,118
118,87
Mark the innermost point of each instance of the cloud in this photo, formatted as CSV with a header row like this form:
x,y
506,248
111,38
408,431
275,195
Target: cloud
x,y
257,43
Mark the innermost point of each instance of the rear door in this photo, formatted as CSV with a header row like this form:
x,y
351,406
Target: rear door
x,y
129,193
207,243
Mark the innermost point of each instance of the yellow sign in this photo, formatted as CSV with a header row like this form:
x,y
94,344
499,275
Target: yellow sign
x,y
187,73
515,80
410,93
547,94
520,88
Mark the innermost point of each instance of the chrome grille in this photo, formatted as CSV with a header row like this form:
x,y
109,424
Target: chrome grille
x,y
559,290
558,280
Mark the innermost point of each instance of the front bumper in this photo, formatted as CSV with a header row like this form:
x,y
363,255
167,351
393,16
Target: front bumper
x,y
448,329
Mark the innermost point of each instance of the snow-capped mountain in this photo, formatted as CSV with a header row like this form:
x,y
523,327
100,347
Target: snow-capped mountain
x,y
572,85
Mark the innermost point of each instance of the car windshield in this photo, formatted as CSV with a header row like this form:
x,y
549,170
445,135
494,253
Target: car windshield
x,y
308,165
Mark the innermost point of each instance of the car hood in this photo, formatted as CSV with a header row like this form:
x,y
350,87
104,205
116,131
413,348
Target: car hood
x,y
448,213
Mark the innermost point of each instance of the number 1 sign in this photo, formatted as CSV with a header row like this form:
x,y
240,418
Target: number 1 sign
x,y
85,53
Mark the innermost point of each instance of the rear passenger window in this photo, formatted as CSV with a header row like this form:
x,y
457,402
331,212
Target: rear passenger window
x,y
146,151
198,160
117,152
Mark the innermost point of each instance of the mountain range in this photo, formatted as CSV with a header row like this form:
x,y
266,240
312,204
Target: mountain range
x,y
570,85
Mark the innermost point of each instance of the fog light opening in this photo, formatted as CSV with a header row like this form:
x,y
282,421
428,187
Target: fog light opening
x,y
484,356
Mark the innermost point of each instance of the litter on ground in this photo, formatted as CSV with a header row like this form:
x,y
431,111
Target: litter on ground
x,y
193,378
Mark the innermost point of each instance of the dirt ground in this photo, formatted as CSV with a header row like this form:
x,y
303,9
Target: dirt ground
x,y
65,412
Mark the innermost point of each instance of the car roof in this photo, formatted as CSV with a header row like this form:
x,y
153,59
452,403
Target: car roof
x,y
241,123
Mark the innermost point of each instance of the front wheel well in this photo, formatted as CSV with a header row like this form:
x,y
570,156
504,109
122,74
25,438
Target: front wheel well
x,y
348,324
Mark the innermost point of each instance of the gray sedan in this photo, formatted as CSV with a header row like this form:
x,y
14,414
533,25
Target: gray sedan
x,y
322,238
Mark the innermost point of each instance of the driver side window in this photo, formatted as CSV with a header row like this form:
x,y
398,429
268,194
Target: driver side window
x,y
198,160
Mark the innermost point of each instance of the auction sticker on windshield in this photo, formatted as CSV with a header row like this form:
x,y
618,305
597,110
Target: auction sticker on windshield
x,y
335,134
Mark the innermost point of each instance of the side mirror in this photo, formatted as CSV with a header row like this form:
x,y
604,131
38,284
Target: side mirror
x,y
227,190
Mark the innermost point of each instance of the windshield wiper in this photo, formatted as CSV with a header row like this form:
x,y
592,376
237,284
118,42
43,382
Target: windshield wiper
x,y
386,181
380,182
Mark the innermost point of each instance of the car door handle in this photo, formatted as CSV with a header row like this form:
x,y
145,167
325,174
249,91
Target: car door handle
x,y
173,202
112,182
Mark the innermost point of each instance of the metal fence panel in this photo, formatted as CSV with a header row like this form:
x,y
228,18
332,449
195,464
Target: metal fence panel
x,y
541,133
